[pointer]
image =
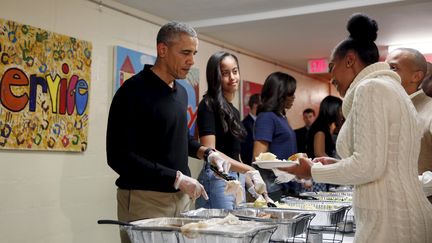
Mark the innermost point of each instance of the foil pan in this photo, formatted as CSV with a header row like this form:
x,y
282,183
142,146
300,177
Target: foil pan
x,y
332,198
344,198
167,230
314,194
326,213
206,213
290,224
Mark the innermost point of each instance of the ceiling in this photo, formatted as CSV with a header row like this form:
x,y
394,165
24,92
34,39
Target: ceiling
x,y
289,32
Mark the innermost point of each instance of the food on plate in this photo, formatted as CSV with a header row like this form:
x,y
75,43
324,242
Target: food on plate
x,y
266,157
297,156
235,188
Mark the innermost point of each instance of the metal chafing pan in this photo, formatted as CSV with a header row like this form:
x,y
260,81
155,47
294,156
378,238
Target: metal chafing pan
x,y
168,230
290,224
206,213
327,213
345,198
331,198
314,194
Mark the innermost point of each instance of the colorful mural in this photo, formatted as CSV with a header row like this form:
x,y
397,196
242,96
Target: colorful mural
x,y
44,89
129,62
248,89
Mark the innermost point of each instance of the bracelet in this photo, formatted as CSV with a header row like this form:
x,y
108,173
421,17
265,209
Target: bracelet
x,y
207,152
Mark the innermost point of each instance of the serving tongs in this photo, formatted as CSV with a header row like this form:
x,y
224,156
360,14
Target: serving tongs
x,y
223,175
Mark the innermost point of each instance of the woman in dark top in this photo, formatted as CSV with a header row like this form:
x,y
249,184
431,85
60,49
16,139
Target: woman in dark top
x,y
320,142
272,130
220,127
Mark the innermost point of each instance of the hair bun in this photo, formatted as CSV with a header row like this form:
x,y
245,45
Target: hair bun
x,y
362,28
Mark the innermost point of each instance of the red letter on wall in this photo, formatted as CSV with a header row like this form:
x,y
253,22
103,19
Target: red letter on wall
x,y
13,77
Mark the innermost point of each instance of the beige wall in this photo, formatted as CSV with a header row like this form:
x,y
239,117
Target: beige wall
x,y
52,197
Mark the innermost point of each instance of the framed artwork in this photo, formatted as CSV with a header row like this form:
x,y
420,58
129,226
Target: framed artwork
x,y
128,62
44,89
248,88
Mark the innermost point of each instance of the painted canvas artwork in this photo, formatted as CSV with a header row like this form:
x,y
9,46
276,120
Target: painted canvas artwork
x,y
248,88
128,62
44,89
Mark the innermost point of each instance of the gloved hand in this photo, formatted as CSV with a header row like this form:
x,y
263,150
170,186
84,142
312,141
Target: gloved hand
x,y
190,186
267,198
221,163
257,196
257,181
253,193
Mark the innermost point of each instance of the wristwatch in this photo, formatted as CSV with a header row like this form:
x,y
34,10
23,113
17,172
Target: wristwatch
x,y
207,152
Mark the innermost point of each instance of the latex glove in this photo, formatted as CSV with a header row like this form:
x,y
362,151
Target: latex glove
x,y
267,198
257,181
253,193
221,163
190,186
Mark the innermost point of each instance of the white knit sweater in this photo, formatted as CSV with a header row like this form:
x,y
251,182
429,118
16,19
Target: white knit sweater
x,y
379,143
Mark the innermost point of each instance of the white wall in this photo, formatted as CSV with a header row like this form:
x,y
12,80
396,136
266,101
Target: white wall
x,y
51,197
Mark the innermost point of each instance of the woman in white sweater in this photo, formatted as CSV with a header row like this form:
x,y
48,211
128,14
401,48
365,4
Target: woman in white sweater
x,y
379,144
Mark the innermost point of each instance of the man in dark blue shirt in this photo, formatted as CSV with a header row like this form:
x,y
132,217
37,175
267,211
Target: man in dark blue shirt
x,y
148,141
249,123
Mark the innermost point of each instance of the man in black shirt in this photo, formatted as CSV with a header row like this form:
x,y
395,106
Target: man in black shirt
x,y
148,141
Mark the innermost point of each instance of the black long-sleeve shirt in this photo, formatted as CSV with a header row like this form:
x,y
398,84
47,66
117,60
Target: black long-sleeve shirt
x,y
147,136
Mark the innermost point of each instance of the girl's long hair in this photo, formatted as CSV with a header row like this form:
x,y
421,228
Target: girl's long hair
x,y
214,97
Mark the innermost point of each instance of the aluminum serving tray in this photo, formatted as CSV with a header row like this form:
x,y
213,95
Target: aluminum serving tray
x,y
167,230
329,198
345,198
290,224
206,213
314,194
327,213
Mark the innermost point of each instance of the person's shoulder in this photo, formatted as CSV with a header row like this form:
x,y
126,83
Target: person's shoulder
x,y
135,81
301,129
248,119
202,104
384,88
266,116
318,126
205,104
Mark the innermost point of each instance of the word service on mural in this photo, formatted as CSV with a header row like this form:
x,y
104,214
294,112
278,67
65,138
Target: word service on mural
x,y
44,89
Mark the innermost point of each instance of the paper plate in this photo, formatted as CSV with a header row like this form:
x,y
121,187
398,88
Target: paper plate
x,y
264,164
